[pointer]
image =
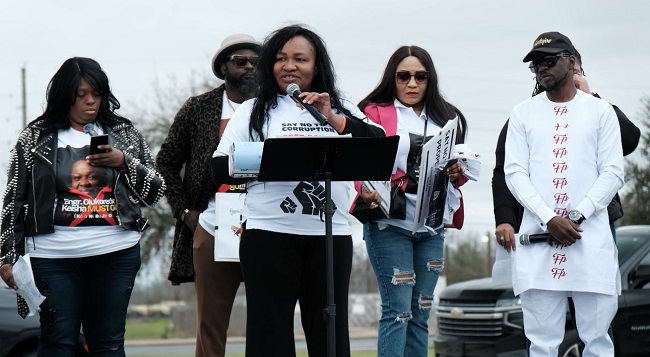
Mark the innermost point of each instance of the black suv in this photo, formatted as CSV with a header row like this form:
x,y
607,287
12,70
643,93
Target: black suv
x,y
18,337
477,319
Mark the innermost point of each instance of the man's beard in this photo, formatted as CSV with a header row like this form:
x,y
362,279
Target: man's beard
x,y
555,84
245,85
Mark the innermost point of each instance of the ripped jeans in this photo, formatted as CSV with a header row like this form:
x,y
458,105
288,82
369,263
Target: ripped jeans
x,y
407,267
91,291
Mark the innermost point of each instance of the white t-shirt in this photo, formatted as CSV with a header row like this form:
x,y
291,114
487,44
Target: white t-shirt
x,y
85,215
559,157
289,207
207,217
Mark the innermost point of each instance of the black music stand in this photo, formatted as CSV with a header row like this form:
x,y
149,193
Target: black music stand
x,y
328,159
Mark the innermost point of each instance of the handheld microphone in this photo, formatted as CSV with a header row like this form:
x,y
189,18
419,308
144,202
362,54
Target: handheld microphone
x,y
527,239
90,129
294,91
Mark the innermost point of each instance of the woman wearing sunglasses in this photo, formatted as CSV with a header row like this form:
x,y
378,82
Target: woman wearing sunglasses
x,y
282,248
408,103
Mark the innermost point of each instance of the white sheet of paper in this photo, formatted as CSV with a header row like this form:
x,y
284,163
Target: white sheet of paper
x,y
469,160
24,278
229,215
435,153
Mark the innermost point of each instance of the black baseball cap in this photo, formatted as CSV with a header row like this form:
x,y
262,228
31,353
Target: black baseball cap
x,y
550,42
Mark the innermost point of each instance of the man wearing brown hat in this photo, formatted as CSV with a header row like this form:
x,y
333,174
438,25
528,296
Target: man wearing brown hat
x,y
563,164
192,138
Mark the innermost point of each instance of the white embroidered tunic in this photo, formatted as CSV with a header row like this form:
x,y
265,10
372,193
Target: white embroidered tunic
x,y
560,157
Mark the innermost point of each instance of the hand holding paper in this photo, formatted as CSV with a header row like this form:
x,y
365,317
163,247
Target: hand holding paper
x,y
24,277
469,160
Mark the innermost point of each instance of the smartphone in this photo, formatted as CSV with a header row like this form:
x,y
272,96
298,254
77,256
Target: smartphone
x,y
96,141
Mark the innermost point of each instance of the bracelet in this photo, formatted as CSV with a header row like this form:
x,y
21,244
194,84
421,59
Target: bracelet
x,y
185,211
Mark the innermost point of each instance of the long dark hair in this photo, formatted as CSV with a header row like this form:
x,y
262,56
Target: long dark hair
x,y
324,79
437,108
63,87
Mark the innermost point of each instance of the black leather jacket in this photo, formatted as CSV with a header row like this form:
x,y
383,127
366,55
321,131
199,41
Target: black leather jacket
x,y
28,205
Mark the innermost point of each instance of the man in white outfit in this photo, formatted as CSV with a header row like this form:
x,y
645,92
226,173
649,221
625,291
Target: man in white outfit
x,y
564,163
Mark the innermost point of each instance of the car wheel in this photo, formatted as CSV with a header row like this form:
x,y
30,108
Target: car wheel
x,y
572,346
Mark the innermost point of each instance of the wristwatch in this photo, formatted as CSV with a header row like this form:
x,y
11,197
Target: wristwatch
x,y
576,217
183,214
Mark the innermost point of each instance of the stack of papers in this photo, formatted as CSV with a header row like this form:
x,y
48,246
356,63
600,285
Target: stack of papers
x,y
245,159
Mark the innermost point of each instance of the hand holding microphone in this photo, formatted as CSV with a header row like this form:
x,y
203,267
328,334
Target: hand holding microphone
x,y
527,239
294,91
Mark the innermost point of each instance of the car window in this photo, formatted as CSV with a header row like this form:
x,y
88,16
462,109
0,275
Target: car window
x,y
645,260
628,244
641,274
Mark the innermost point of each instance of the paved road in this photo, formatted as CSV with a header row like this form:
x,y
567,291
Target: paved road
x,y
186,347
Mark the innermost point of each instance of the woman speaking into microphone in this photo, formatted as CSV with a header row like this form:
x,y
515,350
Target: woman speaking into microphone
x,y
282,249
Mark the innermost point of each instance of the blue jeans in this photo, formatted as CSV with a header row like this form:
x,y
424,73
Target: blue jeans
x,y
91,291
407,267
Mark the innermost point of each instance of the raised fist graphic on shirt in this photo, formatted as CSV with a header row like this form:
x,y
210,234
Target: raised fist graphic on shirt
x,y
311,196
288,206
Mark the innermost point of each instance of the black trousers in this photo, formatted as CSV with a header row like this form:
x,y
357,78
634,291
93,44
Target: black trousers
x,y
282,269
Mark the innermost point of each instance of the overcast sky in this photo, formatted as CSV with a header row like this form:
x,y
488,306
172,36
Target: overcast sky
x,y
477,47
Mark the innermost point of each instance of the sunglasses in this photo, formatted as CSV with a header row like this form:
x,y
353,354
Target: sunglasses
x,y
240,61
403,77
549,61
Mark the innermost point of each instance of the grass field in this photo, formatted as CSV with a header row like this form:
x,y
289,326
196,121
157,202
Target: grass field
x,y
147,329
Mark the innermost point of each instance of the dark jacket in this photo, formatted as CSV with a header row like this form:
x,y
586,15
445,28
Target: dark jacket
x,y
506,207
192,138
31,185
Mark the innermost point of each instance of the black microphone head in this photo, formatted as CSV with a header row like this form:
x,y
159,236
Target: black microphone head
x,y
293,89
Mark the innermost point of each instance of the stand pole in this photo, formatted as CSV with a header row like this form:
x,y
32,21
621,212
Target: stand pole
x,y
330,309
325,160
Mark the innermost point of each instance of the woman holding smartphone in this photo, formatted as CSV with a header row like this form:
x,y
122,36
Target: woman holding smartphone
x,y
84,247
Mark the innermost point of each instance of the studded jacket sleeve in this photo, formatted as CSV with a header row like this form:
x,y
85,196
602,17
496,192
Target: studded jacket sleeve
x,y
15,197
141,174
